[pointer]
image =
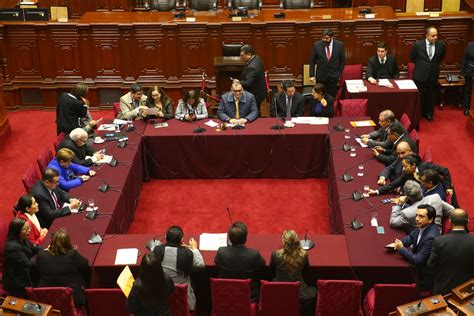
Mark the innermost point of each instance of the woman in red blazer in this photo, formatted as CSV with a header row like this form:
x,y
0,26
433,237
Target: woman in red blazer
x,y
27,208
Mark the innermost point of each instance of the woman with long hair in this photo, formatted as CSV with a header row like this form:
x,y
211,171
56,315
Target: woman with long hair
x,y
291,264
62,265
191,107
17,257
149,294
27,208
157,98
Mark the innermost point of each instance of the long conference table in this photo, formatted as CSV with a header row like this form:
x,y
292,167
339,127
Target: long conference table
x,y
345,254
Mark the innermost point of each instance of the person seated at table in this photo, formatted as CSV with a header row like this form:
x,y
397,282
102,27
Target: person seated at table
x,y
180,260
191,107
382,65
431,184
157,98
394,170
17,255
396,134
404,211
237,106
133,105
61,265
379,136
26,208
322,104
71,175
52,201
151,289
288,103
239,262
84,154
291,264
421,240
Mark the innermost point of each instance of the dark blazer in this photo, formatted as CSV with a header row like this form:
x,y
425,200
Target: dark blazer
x,y
68,270
374,65
327,70
327,111
240,262
390,155
69,111
467,68
137,308
253,79
297,105
419,253
439,189
380,134
426,69
47,208
247,107
16,262
393,170
80,153
452,260
167,110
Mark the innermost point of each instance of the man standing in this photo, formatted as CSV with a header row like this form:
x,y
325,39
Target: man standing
x,y
427,55
452,257
84,154
237,106
467,71
253,75
421,240
328,56
133,104
238,261
288,103
382,65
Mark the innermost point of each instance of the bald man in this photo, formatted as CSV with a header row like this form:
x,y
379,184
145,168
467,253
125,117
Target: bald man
x,y
84,154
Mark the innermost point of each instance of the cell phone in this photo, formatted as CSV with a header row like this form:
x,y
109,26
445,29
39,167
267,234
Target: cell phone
x,y
380,230
385,201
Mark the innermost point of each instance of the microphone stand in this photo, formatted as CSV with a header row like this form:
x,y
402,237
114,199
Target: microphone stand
x,y
306,243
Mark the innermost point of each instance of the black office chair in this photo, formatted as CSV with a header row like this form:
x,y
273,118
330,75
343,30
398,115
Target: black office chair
x,y
231,49
163,5
296,4
249,4
203,5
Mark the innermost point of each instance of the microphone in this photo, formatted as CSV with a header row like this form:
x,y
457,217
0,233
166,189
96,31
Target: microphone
x,y
417,307
346,177
30,308
199,129
356,224
277,125
230,217
152,243
306,243
338,127
345,147
122,143
94,238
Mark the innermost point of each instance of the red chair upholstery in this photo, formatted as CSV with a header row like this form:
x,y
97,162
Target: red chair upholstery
x,y
384,298
30,178
3,238
351,72
178,301
353,107
59,297
427,156
411,68
58,140
279,298
339,297
106,302
116,108
414,136
231,297
44,159
406,123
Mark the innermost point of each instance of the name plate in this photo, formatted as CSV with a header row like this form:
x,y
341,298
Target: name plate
x,y
191,19
434,15
327,17
236,19
370,16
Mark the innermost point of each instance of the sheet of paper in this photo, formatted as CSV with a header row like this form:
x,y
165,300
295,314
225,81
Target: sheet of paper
x,y
319,121
406,84
385,83
73,210
362,123
126,256
361,143
212,242
106,127
125,281
211,123
160,125
106,159
310,120
120,122
356,82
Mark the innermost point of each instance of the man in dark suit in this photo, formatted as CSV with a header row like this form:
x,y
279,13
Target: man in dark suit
x,y
421,240
427,55
379,136
452,256
237,106
467,71
394,170
328,56
253,75
382,65
239,262
431,183
83,153
288,103
396,134
51,198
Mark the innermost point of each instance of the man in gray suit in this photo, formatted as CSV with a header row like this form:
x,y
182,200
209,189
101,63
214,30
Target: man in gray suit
x,y
404,210
237,106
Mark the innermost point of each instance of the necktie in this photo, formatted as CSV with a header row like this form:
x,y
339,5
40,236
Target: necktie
x,y
288,106
418,239
382,61
328,52
55,199
430,52
237,116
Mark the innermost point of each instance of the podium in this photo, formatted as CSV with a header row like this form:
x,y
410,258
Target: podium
x,y
12,305
225,68
433,305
